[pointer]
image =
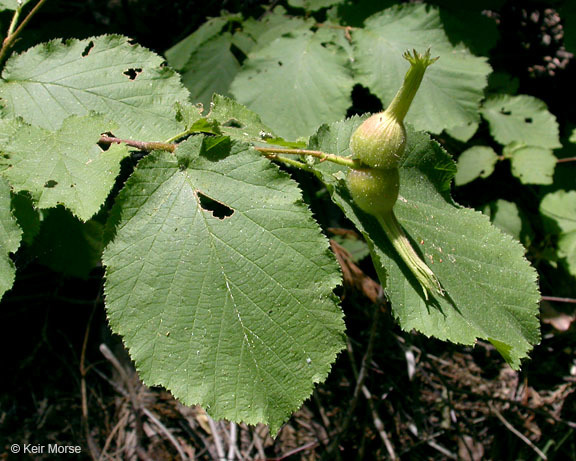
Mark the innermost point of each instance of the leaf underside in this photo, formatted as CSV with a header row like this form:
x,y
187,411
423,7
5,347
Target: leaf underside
x,y
221,283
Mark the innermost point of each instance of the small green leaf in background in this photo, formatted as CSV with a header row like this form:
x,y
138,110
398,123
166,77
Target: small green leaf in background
x,y
452,88
463,133
273,25
572,138
12,4
179,55
522,119
10,235
532,164
491,289
567,251
506,216
559,212
295,84
65,166
476,162
217,258
211,69
313,5
126,83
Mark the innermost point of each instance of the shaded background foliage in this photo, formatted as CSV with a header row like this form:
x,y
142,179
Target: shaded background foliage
x,y
453,395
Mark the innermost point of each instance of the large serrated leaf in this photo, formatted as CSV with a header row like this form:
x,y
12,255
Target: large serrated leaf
x,y
62,167
491,290
231,308
10,235
127,83
210,69
295,84
452,88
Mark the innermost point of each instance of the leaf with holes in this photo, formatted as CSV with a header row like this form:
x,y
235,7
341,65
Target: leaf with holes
x,y
10,236
210,69
220,282
452,89
491,290
62,167
124,82
521,118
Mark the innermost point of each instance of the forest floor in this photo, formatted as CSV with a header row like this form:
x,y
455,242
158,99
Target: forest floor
x,y
68,381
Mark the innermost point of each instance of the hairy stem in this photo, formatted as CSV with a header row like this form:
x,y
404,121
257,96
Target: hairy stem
x,y
141,145
12,36
401,244
323,156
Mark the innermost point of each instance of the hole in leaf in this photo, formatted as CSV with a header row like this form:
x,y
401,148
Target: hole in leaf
x,y
528,120
505,112
233,123
218,210
50,184
280,63
88,48
132,73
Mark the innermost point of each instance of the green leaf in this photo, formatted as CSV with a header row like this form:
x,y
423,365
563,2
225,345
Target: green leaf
x,y
12,4
65,166
274,25
313,5
533,165
567,251
237,121
476,162
67,245
221,283
295,84
559,211
491,290
452,88
572,138
521,118
124,82
210,69
178,56
463,133
10,235
506,216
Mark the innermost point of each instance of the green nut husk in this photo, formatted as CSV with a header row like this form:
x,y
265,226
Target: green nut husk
x,y
380,141
374,191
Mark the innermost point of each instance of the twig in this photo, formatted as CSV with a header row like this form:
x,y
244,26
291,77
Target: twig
x,y
166,432
141,145
11,38
216,437
379,425
518,434
565,160
94,450
232,442
360,378
559,299
323,156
